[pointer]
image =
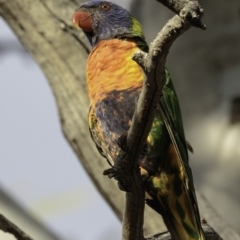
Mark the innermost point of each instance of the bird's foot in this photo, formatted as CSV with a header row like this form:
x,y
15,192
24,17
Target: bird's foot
x,y
119,171
115,173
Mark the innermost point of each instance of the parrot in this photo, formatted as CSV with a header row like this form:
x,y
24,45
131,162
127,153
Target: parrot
x,y
114,82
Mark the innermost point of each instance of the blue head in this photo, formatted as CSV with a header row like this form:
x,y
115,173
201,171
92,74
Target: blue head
x,y
101,20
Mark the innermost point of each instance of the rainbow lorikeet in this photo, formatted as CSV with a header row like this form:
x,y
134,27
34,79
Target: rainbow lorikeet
x,y
114,82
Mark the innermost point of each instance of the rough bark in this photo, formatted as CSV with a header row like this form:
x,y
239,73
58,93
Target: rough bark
x,y
45,30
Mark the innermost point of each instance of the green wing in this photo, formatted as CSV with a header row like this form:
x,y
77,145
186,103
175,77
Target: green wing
x,y
170,112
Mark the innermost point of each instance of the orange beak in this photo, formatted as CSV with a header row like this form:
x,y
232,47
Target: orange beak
x,y
82,19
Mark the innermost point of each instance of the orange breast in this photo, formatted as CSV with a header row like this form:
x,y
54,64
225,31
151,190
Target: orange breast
x,y
110,67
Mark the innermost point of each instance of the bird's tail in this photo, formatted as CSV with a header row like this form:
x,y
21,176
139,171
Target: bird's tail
x,y
179,229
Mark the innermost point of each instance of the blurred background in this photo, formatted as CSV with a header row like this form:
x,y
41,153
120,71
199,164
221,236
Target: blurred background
x,y
41,181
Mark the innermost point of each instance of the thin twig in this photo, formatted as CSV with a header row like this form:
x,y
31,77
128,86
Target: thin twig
x,y
189,10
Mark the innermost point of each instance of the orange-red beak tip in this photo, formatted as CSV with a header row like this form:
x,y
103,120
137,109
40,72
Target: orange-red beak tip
x,y
83,20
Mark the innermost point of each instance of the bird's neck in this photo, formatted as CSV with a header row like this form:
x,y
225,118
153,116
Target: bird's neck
x,y
110,68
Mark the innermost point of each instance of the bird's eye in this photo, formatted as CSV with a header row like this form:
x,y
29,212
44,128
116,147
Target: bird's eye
x,y
105,7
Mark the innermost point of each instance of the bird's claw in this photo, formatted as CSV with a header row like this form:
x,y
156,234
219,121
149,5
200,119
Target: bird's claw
x,y
111,172
114,173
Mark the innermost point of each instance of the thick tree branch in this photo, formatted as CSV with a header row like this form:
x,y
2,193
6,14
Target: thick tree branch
x,y
9,227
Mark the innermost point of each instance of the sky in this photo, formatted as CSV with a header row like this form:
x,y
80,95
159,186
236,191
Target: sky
x,y
38,167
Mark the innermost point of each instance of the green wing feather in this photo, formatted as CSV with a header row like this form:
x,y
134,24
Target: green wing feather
x,y
170,111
